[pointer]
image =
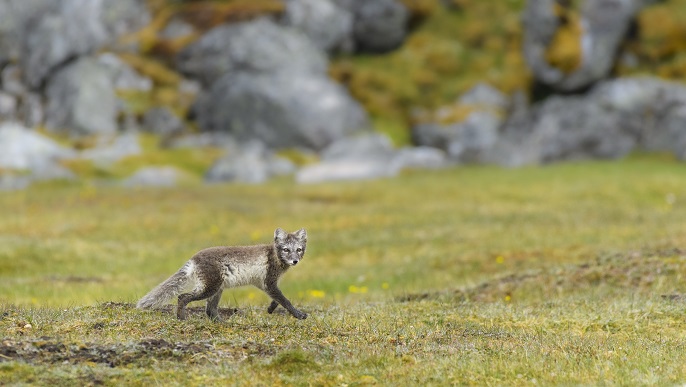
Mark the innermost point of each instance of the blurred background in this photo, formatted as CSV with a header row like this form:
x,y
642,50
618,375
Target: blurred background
x,y
155,92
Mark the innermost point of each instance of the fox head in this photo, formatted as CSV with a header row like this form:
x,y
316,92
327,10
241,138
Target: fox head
x,y
290,248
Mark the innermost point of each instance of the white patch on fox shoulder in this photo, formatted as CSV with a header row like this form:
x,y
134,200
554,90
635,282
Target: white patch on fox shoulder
x,y
242,275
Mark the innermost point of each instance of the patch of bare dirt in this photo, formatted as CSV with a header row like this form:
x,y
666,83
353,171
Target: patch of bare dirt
x,y
636,270
52,351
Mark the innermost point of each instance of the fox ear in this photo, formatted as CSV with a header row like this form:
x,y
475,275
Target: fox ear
x,y
279,235
301,234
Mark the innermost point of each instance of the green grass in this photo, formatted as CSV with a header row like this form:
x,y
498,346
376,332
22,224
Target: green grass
x,y
565,274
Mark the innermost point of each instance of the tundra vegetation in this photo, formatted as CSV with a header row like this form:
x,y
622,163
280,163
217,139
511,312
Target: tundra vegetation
x,y
472,275
566,274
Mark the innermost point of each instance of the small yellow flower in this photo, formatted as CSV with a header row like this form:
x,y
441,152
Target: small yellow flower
x,y
214,230
500,259
385,285
508,298
316,293
356,289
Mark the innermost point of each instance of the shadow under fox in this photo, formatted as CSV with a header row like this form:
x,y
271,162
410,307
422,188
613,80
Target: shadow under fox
x,y
214,269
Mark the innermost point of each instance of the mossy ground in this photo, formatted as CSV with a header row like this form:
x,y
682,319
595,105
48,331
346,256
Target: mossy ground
x,y
566,274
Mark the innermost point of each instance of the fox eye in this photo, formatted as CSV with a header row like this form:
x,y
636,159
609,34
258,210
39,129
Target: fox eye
x,y
286,250
299,250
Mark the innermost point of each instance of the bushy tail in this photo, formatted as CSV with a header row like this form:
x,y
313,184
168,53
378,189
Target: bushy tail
x,y
165,291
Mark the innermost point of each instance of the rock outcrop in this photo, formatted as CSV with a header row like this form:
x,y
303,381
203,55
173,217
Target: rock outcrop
x,y
282,109
588,40
268,82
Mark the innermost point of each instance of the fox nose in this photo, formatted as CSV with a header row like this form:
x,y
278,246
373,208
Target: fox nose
x,y
295,262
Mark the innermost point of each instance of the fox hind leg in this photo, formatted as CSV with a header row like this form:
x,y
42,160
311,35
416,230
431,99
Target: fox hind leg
x,y
200,293
212,304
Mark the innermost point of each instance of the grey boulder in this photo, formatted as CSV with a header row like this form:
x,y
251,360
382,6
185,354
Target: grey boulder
x,y
123,76
27,156
469,140
15,16
613,119
365,157
161,120
258,46
248,163
25,150
651,110
327,24
111,150
378,25
73,28
81,99
605,24
153,177
569,128
281,109
362,157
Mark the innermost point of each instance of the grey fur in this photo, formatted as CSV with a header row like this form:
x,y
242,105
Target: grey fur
x,y
214,269
165,291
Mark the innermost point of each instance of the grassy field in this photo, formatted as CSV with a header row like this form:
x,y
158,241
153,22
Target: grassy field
x,y
566,274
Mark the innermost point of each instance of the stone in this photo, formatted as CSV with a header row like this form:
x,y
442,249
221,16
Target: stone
x,y
15,19
469,140
114,149
344,170
328,25
201,140
485,95
31,110
421,157
364,146
362,157
81,99
153,177
22,149
257,46
378,25
11,80
248,163
8,107
604,26
75,28
283,110
463,141
123,17
123,76
572,128
161,120
649,109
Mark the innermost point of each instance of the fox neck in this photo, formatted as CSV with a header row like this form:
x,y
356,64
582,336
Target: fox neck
x,y
280,266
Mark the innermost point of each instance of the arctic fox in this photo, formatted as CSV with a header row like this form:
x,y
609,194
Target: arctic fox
x,y
214,269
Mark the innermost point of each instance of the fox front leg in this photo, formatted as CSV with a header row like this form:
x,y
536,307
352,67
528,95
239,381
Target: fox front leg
x,y
275,293
272,307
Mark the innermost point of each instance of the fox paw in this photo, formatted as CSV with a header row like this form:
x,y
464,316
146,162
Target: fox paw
x,y
299,315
